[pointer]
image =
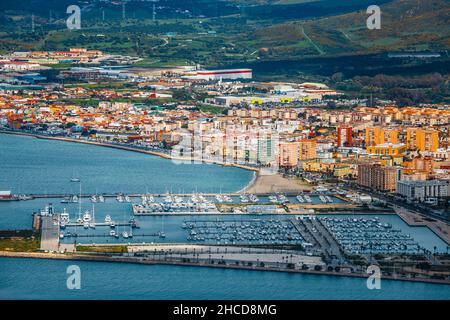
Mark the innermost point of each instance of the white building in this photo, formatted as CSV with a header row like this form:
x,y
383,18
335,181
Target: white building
x,y
423,190
229,74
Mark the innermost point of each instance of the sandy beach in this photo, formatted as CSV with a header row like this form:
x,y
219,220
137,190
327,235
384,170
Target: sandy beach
x,y
264,184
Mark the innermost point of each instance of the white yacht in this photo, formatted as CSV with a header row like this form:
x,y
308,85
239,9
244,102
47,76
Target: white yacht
x,y
64,217
227,199
307,198
244,198
322,198
87,217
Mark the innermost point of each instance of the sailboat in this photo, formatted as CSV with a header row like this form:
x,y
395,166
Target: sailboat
x,y
162,235
74,178
80,219
92,222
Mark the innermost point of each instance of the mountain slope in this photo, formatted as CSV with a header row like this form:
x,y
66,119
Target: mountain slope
x,y
406,25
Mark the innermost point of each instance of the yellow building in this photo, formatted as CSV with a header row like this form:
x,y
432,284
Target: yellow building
x,y
316,166
379,135
288,154
307,149
388,149
341,171
422,139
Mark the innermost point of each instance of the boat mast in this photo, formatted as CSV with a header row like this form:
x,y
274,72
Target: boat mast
x,y
79,203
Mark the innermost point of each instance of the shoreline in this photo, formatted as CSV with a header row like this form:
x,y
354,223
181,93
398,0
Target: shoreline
x,y
149,152
110,259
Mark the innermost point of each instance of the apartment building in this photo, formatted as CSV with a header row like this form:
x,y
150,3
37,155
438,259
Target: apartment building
x,y
378,177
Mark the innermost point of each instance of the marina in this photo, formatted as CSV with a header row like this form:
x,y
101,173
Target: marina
x,y
253,231
364,234
369,236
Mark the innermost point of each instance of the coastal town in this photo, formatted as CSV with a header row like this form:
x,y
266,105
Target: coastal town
x,y
327,169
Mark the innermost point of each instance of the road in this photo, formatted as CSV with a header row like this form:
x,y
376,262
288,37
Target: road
x,y
312,42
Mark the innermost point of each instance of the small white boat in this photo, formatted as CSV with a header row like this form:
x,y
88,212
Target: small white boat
x,y
112,233
64,217
87,217
323,199
108,219
244,198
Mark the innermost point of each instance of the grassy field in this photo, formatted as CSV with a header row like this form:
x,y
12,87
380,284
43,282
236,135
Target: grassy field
x,y
103,249
19,244
211,109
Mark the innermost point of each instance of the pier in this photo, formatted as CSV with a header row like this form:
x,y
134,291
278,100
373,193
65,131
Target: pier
x,y
49,234
136,195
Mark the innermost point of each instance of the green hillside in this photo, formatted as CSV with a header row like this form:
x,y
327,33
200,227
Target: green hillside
x,y
407,25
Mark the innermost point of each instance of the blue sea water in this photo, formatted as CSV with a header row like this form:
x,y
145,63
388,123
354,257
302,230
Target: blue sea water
x,y
46,279
30,165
